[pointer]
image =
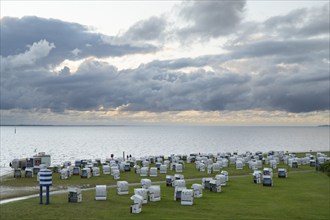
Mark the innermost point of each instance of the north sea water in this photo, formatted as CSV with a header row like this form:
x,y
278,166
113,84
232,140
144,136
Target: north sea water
x,y
68,143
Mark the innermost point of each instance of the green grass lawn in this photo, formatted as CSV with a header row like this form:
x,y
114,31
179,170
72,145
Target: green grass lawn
x,y
303,195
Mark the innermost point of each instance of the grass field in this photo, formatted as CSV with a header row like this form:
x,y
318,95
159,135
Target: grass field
x,y
131,177
303,195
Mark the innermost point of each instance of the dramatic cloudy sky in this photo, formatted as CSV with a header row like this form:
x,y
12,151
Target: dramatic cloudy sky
x,y
170,62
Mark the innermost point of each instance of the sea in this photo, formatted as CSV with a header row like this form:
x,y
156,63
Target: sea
x,y
69,143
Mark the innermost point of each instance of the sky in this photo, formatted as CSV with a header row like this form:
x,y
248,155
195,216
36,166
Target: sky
x,y
165,62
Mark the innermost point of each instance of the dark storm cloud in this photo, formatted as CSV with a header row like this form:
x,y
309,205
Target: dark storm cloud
x,y
153,88
169,90
97,85
72,41
293,76
211,18
85,90
156,89
294,93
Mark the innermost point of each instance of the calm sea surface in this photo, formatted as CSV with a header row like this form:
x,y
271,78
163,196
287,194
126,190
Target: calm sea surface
x,y
91,142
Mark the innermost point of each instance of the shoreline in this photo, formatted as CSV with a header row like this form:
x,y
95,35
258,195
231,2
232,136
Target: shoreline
x,y
6,170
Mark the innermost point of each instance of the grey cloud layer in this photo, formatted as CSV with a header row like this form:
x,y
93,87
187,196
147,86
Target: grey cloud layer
x,y
200,20
300,23
276,72
150,29
152,87
97,84
72,41
211,18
